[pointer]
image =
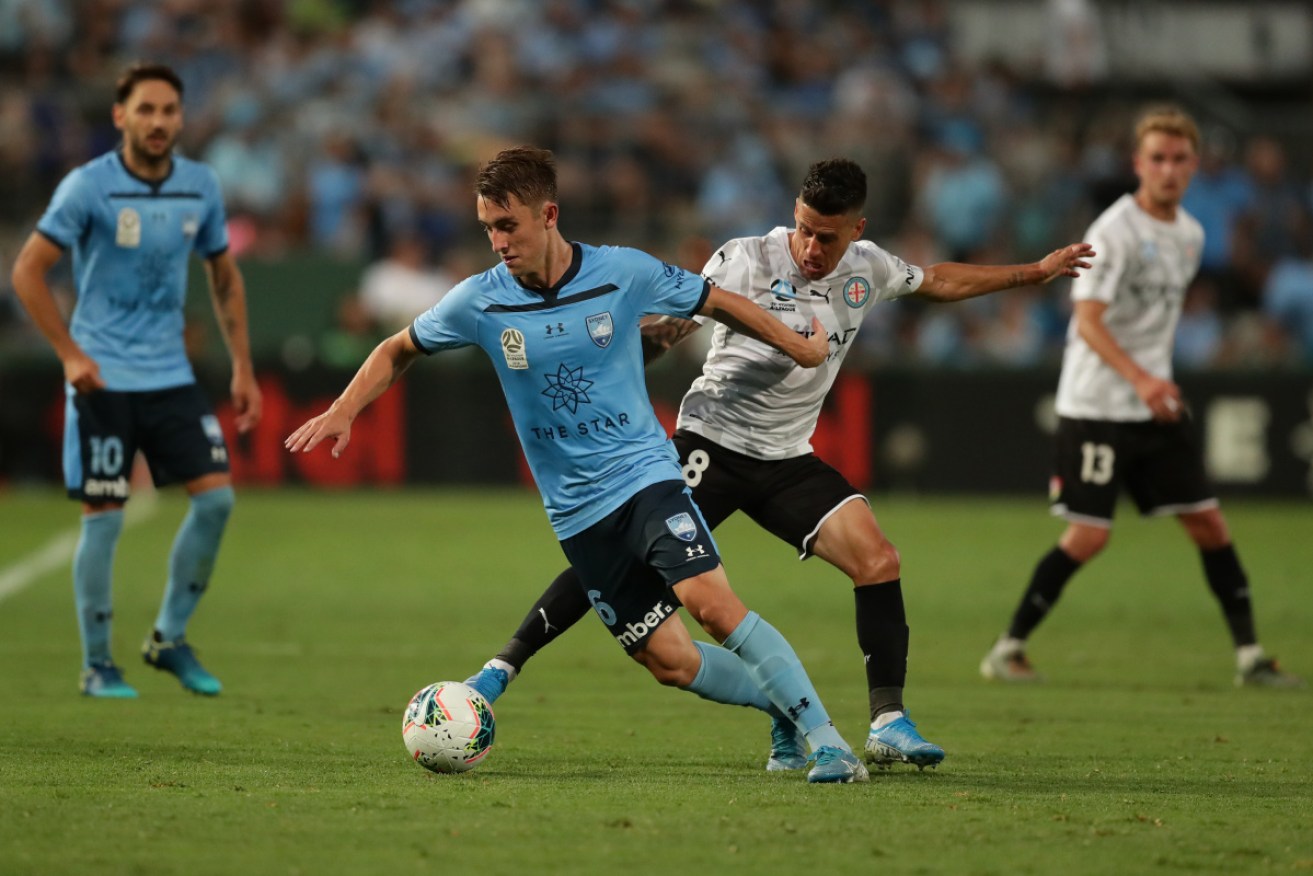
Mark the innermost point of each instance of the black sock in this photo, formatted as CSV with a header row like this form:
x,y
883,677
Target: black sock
x,y
1230,585
562,604
1046,582
882,635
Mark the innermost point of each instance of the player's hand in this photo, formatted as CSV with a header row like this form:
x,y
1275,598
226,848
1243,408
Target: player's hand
x,y
817,348
332,423
1066,262
246,400
82,372
1162,397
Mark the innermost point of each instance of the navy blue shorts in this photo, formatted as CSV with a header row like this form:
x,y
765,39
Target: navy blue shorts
x,y
174,428
628,561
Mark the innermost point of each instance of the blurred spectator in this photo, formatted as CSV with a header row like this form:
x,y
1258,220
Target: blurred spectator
x,y
352,337
1199,331
1218,197
1288,297
402,285
1271,224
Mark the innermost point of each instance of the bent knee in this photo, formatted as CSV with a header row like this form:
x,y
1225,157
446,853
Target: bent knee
x,y
671,670
878,566
1082,542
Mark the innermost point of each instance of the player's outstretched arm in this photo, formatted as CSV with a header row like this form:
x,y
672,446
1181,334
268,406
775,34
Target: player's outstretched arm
x,y
381,369
1162,397
34,262
228,292
744,317
660,333
954,281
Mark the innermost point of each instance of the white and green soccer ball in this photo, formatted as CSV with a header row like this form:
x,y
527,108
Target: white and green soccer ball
x,y
448,727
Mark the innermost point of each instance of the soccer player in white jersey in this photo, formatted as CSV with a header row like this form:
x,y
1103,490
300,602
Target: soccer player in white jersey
x,y
1122,420
560,322
131,219
744,431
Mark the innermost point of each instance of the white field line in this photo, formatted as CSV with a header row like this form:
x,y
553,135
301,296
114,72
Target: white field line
x,y
59,550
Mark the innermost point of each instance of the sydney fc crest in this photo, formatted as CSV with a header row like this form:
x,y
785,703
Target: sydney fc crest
x,y
600,328
856,291
682,526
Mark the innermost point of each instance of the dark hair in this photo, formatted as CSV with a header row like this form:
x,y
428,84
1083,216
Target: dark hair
x,y
142,72
526,172
834,187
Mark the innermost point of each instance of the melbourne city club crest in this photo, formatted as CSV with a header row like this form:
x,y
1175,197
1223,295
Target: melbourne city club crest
x,y
682,526
600,328
856,291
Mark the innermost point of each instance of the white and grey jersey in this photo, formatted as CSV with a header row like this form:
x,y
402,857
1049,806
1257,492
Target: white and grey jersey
x,y
1142,270
755,400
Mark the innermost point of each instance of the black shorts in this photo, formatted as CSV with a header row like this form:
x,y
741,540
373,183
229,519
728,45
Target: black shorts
x,y
103,430
789,498
1160,465
628,561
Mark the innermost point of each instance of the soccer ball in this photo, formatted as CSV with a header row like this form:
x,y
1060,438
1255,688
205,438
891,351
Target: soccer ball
x,y
448,727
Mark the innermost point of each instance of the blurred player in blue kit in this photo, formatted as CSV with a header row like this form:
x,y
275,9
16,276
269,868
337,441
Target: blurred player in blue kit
x,y
744,429
131,219
560,322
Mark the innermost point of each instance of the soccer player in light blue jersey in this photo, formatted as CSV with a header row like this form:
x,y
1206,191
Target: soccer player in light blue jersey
x,y
131,219
560,322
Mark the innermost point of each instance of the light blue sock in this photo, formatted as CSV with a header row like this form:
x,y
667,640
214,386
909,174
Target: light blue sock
x,y
93,566
723,678
192,559
778,671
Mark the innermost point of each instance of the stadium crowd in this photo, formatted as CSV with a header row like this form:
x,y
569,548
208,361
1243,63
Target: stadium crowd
x,y
350,128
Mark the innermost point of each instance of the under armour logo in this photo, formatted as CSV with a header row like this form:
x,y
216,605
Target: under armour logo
x,y
795,711
695,551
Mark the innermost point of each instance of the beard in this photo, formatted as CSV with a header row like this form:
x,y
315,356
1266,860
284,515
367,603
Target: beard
x,y
150,153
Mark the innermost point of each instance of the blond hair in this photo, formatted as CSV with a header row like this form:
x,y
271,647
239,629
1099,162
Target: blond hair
x,y
1167,120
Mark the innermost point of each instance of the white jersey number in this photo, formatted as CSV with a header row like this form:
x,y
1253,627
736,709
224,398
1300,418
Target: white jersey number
x,y
698,462
1096,463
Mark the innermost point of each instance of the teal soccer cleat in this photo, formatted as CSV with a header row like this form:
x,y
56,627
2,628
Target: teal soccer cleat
x,y
788,748
834,765
489,681
898,742
106,681
178,658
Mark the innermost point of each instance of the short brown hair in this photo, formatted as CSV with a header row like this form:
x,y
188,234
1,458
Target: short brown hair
x,y
527,172
1167,120
143,72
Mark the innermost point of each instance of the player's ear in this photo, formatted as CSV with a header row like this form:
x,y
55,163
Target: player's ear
x,y
118,113
858,227
551,213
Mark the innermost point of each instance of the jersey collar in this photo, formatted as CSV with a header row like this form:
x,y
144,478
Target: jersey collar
x,y
155,185
576,262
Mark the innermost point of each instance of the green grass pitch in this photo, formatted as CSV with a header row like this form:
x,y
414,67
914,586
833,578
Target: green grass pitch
x,y
329,610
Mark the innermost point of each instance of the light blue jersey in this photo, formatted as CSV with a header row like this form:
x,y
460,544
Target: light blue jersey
x,y
131,240
570,361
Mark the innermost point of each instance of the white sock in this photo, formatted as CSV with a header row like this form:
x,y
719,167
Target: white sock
x,y
885,718
497,663
1008,645
1247,655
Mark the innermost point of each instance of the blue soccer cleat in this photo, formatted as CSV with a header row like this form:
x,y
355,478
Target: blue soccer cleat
x,y
489,681
105,680
834,765
178,658
898,742
788,748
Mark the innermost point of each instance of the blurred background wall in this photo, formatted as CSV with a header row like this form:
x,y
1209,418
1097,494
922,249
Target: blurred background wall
x,y
346,133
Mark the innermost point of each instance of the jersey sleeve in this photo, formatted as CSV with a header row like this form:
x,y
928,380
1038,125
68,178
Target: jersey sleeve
x,y
449,324
69,211
212,235
899,278
671,291
1100,282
